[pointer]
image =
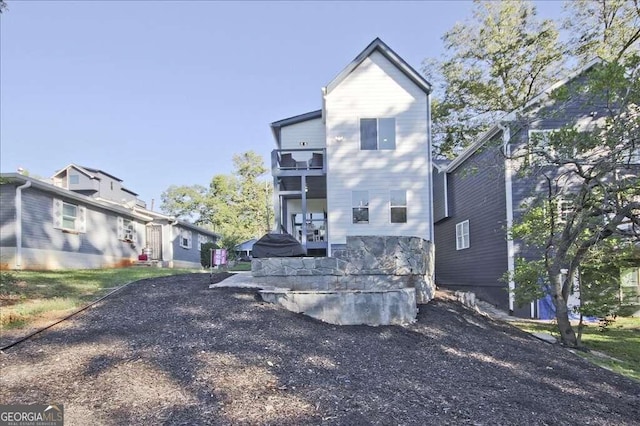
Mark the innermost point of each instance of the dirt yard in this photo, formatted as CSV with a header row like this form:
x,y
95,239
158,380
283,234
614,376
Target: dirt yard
x,y
171,351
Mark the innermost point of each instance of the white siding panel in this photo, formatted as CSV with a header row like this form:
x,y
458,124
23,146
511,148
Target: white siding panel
x,y
377,89
311,131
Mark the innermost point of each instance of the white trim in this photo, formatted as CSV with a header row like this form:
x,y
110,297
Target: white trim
x,y
473,147
18,201
460,235
508,189
513,115
547,92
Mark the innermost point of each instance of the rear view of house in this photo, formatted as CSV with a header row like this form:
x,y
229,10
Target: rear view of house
x,y
361,165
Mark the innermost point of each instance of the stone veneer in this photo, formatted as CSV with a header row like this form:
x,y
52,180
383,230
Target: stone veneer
x,y
369,263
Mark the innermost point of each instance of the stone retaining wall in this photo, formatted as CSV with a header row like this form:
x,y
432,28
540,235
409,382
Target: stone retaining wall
x,y
368,263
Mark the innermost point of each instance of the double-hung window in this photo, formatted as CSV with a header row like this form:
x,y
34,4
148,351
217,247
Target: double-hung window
x,y
462,235
69,217
377,133
398,206
360,206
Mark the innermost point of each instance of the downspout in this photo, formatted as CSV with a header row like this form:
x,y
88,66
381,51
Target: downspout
x,y
19,189
430,167
508,170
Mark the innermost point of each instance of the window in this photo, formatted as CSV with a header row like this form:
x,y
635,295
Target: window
x,y
202,239
69,217
127,230
398,206
360,206
462,235
565,208
185,239
74,179
377,133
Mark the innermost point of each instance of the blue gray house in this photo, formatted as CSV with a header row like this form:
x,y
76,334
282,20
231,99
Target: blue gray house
x,y
85,218
478,196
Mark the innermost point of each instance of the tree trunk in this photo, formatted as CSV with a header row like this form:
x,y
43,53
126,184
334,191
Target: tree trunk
x,y
567,335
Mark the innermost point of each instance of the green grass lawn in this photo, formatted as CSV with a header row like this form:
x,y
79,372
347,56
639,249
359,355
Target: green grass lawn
x,y
240,266
28,296
619,343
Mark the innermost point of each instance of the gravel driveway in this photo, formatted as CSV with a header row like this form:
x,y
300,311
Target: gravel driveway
x,y
171,351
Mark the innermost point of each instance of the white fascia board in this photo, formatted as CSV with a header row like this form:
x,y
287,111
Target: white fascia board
x,y
473,147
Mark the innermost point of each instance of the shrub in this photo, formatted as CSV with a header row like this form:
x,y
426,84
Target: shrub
x,y
205,254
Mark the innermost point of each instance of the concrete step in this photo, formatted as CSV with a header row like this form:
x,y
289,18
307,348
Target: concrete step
x,y
349,307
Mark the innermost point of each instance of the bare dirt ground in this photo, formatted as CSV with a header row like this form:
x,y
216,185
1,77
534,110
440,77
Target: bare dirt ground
x,y
171,351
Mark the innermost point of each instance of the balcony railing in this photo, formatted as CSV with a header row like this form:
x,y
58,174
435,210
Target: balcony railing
x,y
295,162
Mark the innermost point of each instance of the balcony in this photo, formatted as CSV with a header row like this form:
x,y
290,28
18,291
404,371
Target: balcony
x,y
298,162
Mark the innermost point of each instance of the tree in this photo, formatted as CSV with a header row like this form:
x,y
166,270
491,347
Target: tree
x,y
234,206
609,29
3,6
588,198
493,64
185,202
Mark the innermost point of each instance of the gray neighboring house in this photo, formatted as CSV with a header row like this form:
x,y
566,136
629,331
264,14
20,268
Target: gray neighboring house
x,y
477,196
85,218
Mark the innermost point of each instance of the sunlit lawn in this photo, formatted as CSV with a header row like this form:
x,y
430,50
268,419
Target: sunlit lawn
x,y
620,342
26,296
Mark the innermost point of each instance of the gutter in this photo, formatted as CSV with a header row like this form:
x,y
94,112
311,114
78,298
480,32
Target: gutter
x,y
18,201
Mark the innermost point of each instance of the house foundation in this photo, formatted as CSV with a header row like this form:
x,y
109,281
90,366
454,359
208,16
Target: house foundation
x,y
375,280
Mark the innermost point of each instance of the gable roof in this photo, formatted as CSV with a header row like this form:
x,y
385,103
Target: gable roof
x,y
88,171
511,116
92,170
135,212
82,170
379,46
277,126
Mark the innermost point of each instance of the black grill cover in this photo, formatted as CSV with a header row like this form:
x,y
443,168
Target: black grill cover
x,y
277,245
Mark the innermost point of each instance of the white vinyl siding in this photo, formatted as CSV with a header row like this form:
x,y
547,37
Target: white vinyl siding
x,y
462,235
69,217
377,89
311,132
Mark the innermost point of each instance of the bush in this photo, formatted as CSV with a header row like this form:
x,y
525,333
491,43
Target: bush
x,y
205,254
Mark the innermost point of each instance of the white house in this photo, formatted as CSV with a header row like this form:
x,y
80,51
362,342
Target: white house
x,y
361,165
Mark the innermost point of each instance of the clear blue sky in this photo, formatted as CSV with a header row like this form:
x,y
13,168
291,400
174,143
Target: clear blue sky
x,y
162,93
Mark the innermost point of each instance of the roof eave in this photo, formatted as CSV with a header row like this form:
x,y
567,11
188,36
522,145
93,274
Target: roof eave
x,y
388,53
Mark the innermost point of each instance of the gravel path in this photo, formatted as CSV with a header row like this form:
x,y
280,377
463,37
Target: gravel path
x,y
171,351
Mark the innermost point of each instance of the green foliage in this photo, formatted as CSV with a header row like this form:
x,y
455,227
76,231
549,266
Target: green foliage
x,y
530,279
7,279
620,341
237,206
609,29
205,254
494,63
